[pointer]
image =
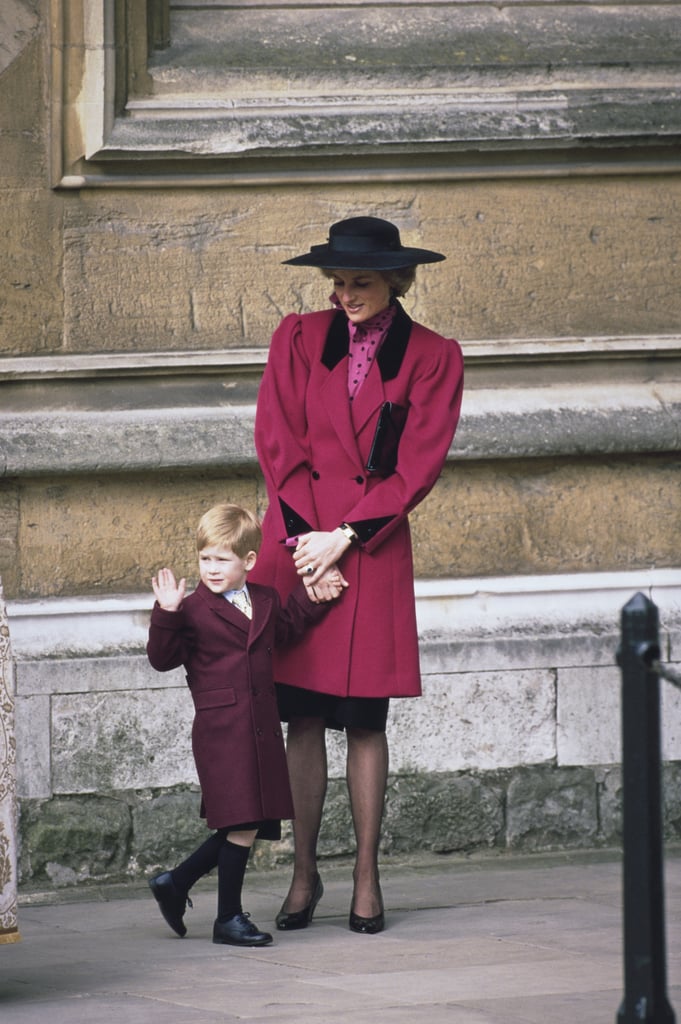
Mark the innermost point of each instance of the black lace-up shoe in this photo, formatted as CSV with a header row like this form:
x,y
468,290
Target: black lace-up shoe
x,y
240,931
171,900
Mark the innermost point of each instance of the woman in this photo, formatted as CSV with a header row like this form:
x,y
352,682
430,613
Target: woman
x,y
326,384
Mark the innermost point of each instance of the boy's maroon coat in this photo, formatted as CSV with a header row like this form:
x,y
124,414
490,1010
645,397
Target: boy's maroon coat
x,y
236,736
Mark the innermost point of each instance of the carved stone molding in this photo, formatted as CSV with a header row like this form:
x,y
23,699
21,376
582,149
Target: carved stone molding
x,y
150,92
9,931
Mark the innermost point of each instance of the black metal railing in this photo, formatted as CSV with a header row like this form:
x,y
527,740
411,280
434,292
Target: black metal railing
x,y
645,970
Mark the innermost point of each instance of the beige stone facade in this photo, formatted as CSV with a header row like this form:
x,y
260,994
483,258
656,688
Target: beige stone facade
x,y
142,278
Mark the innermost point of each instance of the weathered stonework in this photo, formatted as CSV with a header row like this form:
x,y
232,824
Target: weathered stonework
x,y
548,811
141,294
515,743
112,838
109,534
524,259
164,828
65,841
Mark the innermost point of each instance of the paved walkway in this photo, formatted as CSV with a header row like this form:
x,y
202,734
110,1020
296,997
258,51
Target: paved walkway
x,y
486,940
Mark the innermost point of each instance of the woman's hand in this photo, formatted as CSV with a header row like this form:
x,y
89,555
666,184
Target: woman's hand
x,y
318,551
328,588
167,591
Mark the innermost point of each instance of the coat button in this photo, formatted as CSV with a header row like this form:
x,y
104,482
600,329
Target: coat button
x,y
315,474
259,732
359,479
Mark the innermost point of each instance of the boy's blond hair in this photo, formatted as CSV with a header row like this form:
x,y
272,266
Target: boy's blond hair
x,y
229,526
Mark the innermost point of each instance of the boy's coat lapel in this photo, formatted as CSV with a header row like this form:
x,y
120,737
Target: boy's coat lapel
x,y
261,605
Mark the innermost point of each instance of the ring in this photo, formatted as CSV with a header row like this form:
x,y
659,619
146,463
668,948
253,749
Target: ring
x,y
309,569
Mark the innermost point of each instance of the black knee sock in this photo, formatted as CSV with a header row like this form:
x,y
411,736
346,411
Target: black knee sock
x,y
200,862
231,870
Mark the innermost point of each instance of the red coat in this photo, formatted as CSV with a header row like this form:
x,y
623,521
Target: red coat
x,y
236,736
313,445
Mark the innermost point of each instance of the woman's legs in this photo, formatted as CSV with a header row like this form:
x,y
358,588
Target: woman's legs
x,y
367,775
306,757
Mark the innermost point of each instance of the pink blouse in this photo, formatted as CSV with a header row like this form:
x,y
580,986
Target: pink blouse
x,y
365,341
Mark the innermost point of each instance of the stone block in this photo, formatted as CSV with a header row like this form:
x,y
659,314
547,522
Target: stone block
x,y
166,828
442,813
180,273
513,645
549,516
74,839
336,753
671,802
268,855
31,304
560,257
121,740
9,528
551,810
23,111
588,720
609,782
337,836
33,739
139,527
588,726
455,725
670,719
91,675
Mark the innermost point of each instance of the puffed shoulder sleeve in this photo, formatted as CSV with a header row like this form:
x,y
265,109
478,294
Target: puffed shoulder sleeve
x,y
281,428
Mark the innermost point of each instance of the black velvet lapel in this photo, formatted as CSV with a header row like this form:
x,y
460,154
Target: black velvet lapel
x,y
391,352
337,341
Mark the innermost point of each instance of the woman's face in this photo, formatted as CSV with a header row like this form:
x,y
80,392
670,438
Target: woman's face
x,y
361,293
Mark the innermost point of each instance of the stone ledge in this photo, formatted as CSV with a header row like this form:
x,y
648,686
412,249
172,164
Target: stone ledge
x,y
495,424
237,361
517,611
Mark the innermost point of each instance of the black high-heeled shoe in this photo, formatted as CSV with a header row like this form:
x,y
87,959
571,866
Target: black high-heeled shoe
x,y
286,922
368,925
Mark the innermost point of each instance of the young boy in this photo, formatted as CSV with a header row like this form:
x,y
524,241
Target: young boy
x,y
223,634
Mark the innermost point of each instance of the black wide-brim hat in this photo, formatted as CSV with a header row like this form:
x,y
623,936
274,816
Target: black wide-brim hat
x,y
364,243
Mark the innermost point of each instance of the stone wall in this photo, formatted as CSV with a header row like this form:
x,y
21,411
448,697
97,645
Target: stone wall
x,y
515,744
143,279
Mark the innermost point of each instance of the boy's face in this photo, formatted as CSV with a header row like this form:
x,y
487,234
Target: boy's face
x,y
221,570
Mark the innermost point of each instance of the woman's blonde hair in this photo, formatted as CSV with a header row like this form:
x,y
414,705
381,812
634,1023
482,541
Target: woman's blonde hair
x,y
400,280
229,526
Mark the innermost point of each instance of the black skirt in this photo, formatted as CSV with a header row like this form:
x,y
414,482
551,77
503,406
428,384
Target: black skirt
x,y
338,712
270,828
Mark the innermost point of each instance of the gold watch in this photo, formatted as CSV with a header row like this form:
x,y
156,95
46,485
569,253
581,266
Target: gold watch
x,y
348,531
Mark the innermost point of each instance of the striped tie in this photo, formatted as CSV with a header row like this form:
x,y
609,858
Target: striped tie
x,y
242,601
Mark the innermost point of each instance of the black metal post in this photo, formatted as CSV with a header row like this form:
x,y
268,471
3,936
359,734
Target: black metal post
x,y
645,972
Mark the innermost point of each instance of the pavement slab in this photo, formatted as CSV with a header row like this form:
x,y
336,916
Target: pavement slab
x,y
490,939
